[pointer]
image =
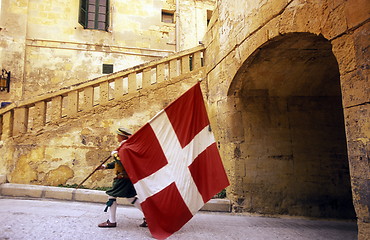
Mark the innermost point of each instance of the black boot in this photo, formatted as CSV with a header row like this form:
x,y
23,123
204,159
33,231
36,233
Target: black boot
x,y
144,224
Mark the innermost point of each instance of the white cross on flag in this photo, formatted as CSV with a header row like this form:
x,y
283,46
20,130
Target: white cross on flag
x,y
174,164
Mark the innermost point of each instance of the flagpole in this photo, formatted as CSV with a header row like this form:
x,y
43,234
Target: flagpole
x,y
97,168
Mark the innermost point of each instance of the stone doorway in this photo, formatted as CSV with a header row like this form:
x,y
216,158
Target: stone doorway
x,y
293,158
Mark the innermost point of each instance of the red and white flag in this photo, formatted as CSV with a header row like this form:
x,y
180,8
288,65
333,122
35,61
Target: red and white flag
x,y
174,164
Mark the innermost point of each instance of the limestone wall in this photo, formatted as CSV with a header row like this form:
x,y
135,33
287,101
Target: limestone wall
x,y
275,117
46,49
66,152
59,138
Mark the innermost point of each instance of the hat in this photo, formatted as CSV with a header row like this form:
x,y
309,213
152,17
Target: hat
x,y
123,132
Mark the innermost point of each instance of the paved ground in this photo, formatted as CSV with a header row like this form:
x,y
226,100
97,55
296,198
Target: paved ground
x,y
53,219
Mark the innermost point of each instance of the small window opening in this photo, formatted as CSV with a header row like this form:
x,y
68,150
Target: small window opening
x,y
168,17
107,68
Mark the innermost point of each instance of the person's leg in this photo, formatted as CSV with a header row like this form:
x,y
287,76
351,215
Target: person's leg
x,y
135,201
112,205
112,212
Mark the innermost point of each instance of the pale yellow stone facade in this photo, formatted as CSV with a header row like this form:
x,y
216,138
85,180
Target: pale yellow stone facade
x,y
287,91
46,48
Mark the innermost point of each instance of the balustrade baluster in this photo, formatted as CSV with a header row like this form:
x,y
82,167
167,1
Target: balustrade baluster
x,y
39,114
147,75
7,121
132,82
88,98
173,68
56,108
20,120
104,92
118,88
185,64
72,101
197,60
160,72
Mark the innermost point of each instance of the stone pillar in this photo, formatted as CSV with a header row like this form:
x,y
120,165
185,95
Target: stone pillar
x,y
185,64
197,60
118,88
40,114
88,98
173,68
104,92
20,121
132,82
7,130
160,72
56,108
72,103
147,76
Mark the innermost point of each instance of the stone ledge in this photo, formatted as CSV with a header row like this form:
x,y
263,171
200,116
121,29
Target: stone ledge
x,y
86,195
21,190
217,205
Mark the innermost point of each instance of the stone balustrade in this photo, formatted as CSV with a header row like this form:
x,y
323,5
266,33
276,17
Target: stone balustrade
x,y
31,115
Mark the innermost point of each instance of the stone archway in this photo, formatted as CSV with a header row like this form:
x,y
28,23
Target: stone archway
x,y
293,158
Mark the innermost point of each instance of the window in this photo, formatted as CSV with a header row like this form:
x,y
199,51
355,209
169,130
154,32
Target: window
x,y
167,16
94,14
107,68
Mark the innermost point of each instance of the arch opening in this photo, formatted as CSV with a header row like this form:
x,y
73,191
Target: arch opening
x,y
293,156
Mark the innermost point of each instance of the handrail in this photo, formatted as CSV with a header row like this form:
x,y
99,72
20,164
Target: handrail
x,y
17,117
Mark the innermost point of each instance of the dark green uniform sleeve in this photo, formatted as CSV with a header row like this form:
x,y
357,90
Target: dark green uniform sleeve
x,y
110,165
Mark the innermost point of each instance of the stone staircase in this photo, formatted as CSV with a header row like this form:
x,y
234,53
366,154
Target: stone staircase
x,y
33,114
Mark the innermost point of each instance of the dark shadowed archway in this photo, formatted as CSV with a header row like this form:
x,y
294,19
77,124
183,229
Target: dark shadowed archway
x,y
294,151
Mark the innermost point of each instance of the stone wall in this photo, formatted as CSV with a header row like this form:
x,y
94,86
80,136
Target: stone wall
x,y
66,151
46,49
281,120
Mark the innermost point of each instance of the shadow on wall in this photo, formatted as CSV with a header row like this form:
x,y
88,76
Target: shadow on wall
x,y
294,150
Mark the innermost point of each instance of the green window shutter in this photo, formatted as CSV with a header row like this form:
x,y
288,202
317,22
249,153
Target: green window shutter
x,y
94,14
82,18
107,16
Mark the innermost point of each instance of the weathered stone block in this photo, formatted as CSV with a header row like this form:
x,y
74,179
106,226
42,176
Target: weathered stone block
x,y
333,23
217,205
21,190
355,88
58,193
344,51
86,195
358,139
356,15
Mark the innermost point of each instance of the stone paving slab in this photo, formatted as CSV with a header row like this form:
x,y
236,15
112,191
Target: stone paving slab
x,y
38,219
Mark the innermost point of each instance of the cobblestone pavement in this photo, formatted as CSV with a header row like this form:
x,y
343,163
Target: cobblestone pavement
x,y
49,219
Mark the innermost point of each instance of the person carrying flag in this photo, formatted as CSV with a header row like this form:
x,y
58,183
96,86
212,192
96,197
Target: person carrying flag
x,y
122,185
